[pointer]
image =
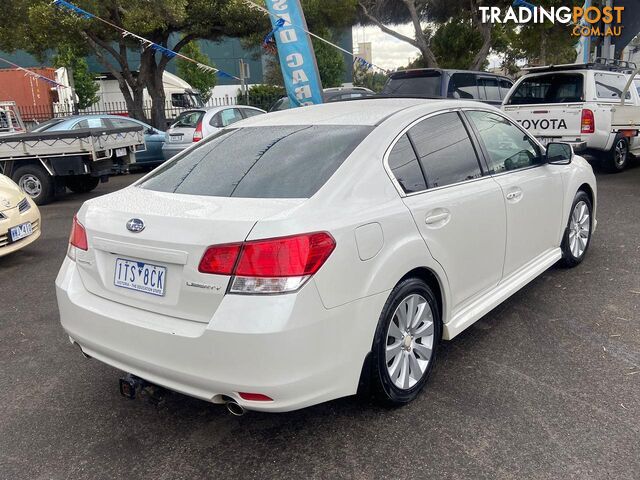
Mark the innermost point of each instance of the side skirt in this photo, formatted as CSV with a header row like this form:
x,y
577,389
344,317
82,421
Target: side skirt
x,y
469,314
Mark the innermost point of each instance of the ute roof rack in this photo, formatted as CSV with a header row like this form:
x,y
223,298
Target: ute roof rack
x,y
599,64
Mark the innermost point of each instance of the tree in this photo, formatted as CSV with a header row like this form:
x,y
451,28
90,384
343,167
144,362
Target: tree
x,y
198,79
37,26
369,79
330,61
323,18
85,87
450,33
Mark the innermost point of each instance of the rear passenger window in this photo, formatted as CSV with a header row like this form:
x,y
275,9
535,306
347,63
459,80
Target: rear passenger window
x,y
505,86
445,150
489,89
610,87
405,168
463,85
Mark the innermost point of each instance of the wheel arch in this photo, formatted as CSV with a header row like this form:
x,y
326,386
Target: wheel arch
x,y
433,281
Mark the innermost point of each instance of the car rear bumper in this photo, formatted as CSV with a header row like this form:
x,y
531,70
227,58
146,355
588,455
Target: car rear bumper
x,y
288,347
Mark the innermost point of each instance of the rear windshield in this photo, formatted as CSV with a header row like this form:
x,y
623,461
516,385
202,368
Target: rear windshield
x,y
43,127
414,83
188,119
552,88
260,162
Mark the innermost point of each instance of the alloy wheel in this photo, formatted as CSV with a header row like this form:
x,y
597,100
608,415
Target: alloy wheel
x,y
410,338
620,154
579,229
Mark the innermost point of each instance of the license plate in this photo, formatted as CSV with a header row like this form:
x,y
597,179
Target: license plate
x,y
140,276
175,138
121,152
20,232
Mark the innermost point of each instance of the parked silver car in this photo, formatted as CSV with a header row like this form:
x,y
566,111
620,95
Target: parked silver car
x,y
194,125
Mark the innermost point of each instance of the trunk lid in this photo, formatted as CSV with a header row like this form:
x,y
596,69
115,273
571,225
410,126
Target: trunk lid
x,y
549,121
182,130
177,230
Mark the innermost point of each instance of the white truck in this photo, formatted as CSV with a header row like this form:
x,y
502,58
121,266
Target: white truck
x,y
576,104
45,163
180,96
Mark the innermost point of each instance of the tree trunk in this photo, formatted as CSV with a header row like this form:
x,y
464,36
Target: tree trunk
x,y
487,39
543,47
158,98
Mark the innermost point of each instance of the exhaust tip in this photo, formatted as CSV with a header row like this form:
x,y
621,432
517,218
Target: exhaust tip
x,y
235,409
82,351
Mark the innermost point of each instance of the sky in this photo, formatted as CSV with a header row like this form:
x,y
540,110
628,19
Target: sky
x,y
389,52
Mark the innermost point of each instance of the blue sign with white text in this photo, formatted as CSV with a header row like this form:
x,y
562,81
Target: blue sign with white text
x,y
297,59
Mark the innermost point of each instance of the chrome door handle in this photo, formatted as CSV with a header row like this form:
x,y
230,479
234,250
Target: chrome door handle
x,y
440,217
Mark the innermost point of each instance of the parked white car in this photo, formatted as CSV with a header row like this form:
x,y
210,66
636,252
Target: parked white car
x,y
290,258
574,103
193,125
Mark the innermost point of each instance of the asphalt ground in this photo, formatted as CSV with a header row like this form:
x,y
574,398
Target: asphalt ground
x,y
546,386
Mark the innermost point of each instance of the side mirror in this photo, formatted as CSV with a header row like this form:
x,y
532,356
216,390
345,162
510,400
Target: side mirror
x,y
150,131
559,153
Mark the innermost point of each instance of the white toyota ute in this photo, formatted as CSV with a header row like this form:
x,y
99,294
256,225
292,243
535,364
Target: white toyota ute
x,y
574,104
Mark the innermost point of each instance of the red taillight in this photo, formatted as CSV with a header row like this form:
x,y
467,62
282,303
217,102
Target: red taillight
x,y
273,265
255,397
285,257
220,259
588,122
78,237
197,135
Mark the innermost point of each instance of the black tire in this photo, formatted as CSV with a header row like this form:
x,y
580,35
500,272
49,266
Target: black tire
x,y
569,257
382,386
617,159
36,182
82,184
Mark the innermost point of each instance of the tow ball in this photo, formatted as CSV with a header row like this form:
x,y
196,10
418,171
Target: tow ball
x,y
132,387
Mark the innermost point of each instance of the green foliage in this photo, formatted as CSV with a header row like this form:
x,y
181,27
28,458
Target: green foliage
x,y
262,96
456,43
86,88
370,79
198,79
331,64
330,61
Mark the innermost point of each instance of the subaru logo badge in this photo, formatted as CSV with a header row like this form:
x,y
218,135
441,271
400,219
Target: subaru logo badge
x,y
135,225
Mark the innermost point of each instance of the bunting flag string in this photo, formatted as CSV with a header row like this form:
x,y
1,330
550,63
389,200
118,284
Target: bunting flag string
x,y
356,59
30,73
145,43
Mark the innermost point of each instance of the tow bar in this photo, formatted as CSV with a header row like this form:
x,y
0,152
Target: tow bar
x,y
132,387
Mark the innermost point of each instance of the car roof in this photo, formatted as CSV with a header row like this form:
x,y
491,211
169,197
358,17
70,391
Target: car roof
x,y
369,111
449,70
64,122
221,107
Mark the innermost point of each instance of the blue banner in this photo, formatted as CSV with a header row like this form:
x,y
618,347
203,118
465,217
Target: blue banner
x,y
297,59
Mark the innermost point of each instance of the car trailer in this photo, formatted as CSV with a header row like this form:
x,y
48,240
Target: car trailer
x,y
44,164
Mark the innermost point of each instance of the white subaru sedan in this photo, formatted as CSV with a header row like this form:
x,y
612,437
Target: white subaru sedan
x,y
297,256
